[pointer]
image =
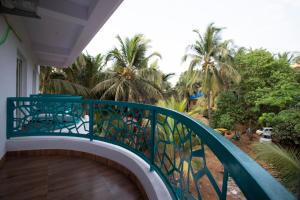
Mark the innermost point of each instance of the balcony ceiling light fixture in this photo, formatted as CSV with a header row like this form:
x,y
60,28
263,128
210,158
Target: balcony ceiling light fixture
x,y
26,8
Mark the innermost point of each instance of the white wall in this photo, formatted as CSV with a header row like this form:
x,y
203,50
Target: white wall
x,y
8,61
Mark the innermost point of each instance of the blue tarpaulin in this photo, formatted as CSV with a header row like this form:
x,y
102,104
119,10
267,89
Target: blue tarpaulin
x,y
196,95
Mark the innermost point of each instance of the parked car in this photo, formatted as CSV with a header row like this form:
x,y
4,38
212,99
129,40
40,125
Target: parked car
x,y
264,130
265,137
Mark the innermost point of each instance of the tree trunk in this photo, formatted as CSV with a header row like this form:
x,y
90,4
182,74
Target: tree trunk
x,y
188,106
208,105
213,98
188,102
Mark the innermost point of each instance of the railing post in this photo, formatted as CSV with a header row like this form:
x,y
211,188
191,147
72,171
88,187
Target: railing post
x,y
224,185
9,118
91,119
152,150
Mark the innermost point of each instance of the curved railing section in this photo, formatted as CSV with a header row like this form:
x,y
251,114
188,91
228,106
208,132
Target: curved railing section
x,y
192,159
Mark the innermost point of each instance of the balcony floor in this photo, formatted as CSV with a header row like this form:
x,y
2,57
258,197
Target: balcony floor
x,y
62,177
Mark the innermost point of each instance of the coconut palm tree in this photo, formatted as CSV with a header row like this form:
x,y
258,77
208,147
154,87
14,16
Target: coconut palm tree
x,y
131,53
78,79
189,83
86,70
214,58
288,56
127,80
159,78
126,85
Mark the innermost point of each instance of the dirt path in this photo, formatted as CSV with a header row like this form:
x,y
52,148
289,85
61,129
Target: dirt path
x,y
217,170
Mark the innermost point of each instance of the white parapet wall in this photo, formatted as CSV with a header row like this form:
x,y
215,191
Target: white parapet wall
x,y
150,180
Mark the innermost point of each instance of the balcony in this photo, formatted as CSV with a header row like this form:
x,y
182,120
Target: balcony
x,y
52,175
169,153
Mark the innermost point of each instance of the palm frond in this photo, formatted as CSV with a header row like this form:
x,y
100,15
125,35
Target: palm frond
x,y
131,53
58,86
104,85
173,104
285,161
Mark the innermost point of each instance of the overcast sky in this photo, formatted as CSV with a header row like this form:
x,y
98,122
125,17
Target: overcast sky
x,y
271,24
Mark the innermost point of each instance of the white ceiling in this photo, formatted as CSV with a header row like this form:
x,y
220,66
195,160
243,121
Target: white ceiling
x,y
65,28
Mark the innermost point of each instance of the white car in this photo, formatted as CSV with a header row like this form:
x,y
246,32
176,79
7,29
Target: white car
x,y
265,137
263,130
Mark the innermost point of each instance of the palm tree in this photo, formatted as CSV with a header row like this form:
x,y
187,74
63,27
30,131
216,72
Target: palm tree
x,y
159,78
126,85
86,70
188,84
289,57
78,79
132,53
214,57
127,80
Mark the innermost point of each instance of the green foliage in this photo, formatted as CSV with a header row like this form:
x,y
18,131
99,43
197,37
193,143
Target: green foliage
x,y
266,119
286,126
173,104
157,77
283,95
268,83
268,94
226,121
285,161
274,94
131,53
164,131
214,57
297,128
189,82
131,77
260,69
178,105
229,111
78,79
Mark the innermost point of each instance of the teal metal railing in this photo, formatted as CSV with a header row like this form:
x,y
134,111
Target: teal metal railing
x,y
179,148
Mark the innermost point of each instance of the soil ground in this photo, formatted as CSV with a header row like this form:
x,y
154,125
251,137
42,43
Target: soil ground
x,y
217,170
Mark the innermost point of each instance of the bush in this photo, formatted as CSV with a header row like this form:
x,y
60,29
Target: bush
x,y
286,125
226,121
228,111
266,119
